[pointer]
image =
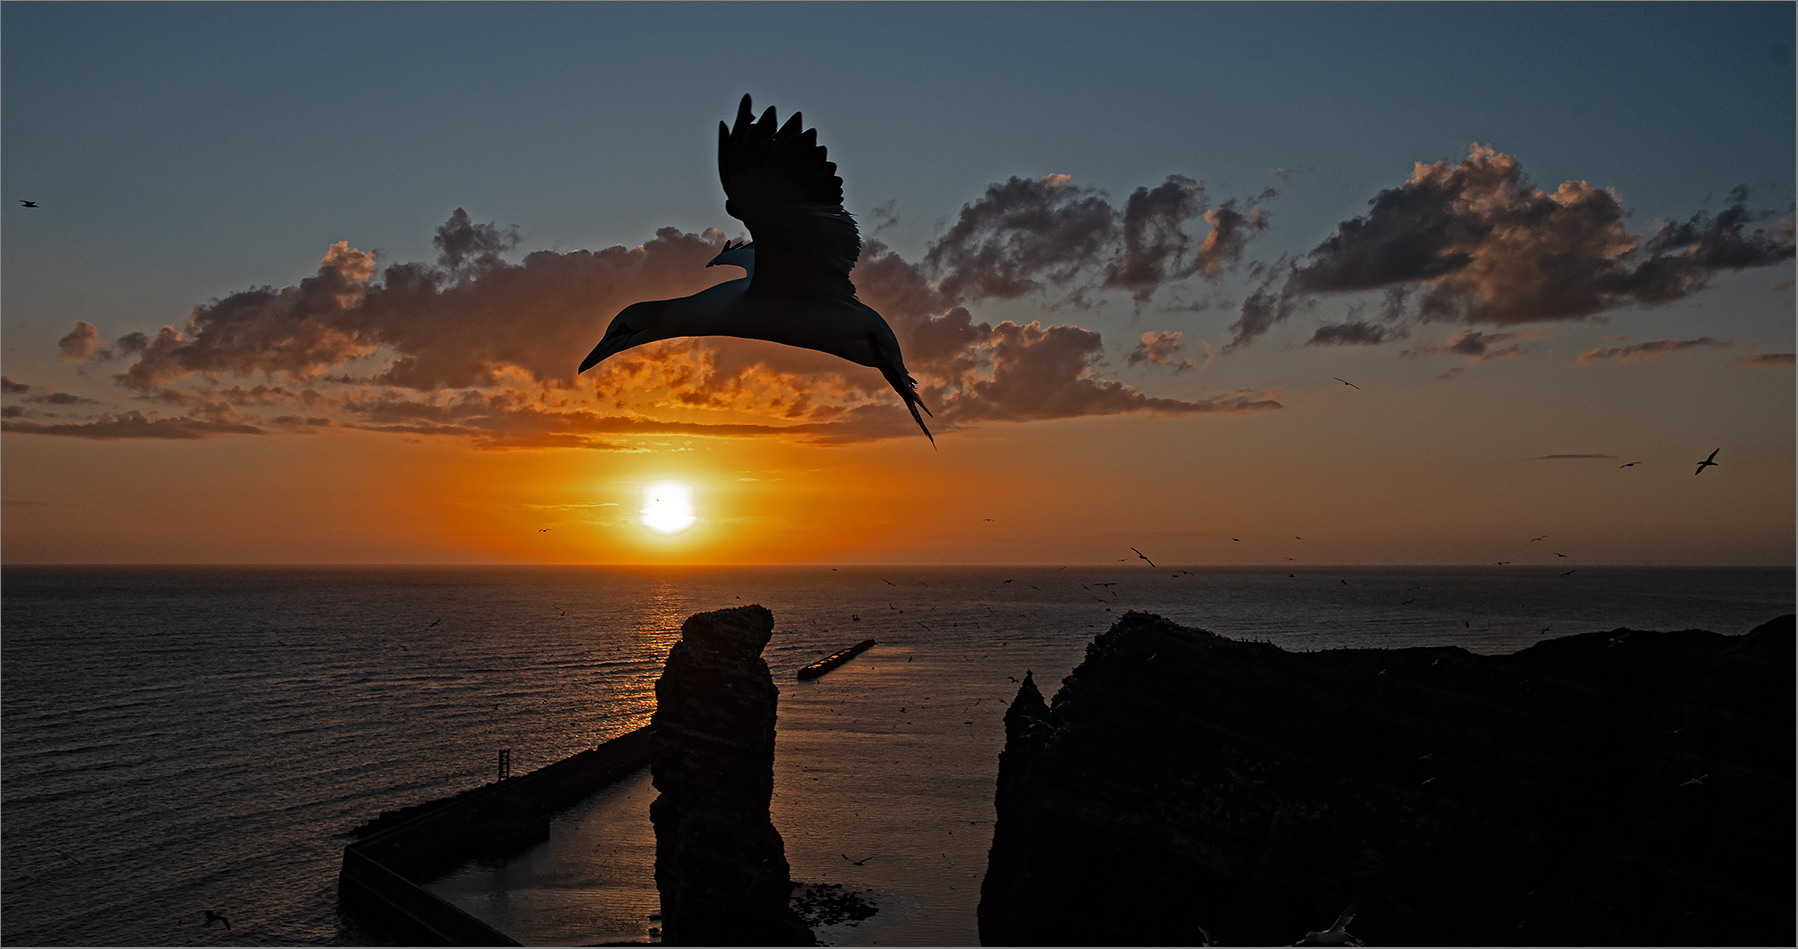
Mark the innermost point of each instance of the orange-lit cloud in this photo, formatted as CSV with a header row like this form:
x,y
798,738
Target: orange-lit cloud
x,y
478,348
1161,348
82,344
1486,246
1650,351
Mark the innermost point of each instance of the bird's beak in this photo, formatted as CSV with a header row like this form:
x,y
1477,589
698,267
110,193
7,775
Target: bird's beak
x,y
616,341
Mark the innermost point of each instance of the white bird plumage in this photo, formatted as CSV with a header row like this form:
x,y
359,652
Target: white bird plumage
x,y
802,246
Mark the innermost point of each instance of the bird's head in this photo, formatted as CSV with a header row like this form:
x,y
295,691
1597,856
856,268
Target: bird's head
x,y
635,325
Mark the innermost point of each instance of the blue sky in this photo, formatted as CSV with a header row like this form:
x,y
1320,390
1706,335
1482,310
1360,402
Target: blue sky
x,y
183,153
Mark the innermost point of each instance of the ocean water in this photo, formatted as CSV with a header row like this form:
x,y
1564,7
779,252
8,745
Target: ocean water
x,y
174,740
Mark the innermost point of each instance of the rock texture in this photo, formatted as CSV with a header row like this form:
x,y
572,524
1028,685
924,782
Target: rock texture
x,y
720,864
1599,789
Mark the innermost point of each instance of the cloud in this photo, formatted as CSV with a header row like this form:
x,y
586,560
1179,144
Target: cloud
x,y
1155,246
1651,351
10,387
82,344
1159,348
1021,234
133,425
1355,333
1478,346
1764,361
1026,236
1046,373
479,347
1568,457
1484,246
1231,231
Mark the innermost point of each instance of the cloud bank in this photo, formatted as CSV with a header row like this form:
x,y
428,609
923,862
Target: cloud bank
x,y
1479,244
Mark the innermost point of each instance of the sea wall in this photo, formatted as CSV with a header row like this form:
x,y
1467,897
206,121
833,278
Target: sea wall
x,y
399,850
1607,788
721,867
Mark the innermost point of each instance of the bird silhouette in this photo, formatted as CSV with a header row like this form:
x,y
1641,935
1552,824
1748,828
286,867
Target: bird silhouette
x,y
1708,463
1630,465
27,204
213,917
855,861
434,623
1140,554
1345,382
802,245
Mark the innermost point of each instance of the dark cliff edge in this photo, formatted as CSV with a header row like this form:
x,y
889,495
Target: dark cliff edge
x,y
1601,789
721,867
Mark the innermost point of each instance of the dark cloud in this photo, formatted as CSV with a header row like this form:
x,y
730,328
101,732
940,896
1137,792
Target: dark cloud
x,y
463,245
1483,245
1355,333
1478,346
1155,244
133,425
1020,234
1764,361
1644,352
1046,373
12,388
61,398
82,344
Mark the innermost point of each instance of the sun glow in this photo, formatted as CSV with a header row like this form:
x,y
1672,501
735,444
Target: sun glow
x,y
668,507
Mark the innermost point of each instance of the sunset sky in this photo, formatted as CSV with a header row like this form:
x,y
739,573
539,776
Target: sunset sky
x,y
309,283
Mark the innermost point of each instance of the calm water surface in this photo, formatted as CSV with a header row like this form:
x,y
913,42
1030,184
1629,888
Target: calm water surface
x,y
180,739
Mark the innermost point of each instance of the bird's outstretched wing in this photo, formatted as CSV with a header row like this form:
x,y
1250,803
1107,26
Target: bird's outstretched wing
x,y
778,182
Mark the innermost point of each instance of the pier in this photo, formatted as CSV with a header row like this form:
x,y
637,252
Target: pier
x,y
381,873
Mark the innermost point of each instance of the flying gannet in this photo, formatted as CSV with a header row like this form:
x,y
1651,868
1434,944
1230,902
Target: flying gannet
x,y
802,245
1708,463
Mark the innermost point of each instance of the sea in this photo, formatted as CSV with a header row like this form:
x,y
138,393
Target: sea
x,y
182,739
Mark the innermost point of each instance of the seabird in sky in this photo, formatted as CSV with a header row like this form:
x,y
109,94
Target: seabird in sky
x,y
1140,554
1630,465
1345,382
801,249
1708,463
213,917
27,204
855,861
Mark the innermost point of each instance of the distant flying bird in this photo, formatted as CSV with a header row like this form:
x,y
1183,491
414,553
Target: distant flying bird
x,y
27,204
1336,935
1708,463
1630,465
542,530
1569,573
1140,554
434,623
1534,539
212,917
1698,780
1345,382
802,246
855,861
1560,555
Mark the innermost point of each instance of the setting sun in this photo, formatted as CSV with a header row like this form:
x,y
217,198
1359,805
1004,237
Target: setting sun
x,y
668,507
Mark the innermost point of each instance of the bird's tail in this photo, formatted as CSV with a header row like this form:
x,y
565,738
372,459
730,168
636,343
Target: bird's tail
x,y
893,369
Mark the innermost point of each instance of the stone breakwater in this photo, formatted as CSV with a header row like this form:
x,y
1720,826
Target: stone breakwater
x,y
1607,788
721,867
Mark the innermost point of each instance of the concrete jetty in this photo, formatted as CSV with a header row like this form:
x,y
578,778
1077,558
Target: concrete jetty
x,y
381,873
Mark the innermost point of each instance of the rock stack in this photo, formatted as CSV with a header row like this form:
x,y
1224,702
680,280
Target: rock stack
x,y
1600,789
720,864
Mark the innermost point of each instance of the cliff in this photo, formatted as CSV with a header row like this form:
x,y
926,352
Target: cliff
x,y
721,866
1607,788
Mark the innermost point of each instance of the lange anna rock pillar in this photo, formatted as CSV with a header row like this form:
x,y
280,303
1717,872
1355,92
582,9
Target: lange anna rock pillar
x,y
721,866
